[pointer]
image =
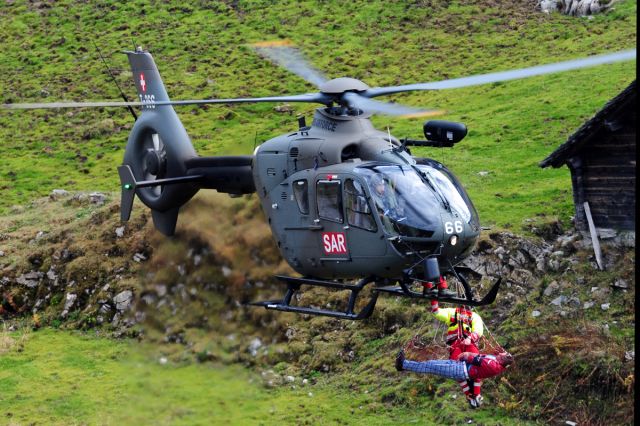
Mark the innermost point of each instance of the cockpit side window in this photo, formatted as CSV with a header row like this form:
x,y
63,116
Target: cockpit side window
x,y
329,200
358,208
301,194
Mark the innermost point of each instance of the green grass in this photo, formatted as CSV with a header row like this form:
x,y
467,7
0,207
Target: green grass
x,y
55,377
48,54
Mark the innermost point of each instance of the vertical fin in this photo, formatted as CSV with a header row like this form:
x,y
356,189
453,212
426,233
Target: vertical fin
x,y
166,221
147,78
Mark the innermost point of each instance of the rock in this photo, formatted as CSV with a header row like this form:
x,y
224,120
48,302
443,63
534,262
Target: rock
x,y
182,270
163,360
290,333
51,274
123,300
97,198
197,259
588,304
570,423
574,302
30,279
483,173
548,6
626,239
305,381
290,379
1,253
161,290
139,257
283,108
56,194
558,301
226,271
70,300
120,231
551,288
620,284
607,234
629,355
558,253
536,314
605,306
254,345
105,309
554,264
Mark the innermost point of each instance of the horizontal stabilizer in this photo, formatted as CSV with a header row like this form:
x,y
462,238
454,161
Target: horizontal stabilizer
x,y
128,191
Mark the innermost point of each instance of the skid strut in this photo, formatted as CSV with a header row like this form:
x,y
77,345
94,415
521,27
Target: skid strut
x,y
403,290
294,284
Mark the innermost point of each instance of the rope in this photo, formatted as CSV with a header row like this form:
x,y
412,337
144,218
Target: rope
x,y
418,349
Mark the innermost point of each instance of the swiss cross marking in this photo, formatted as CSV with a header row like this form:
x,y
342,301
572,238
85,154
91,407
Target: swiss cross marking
x,y
143,83
334,243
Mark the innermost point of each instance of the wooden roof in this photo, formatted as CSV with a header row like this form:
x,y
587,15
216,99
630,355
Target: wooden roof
x,y
604,118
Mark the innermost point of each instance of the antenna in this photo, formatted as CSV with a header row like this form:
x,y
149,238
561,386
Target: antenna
x,y
124,97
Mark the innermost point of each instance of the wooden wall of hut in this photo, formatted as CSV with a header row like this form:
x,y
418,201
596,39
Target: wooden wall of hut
x,y
603,173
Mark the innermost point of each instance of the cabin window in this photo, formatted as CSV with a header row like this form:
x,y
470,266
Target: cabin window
x,y
358,208
329,200
301,194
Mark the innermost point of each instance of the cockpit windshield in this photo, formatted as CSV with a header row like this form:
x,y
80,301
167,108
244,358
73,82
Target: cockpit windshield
x,y
406,205
452,190
410,204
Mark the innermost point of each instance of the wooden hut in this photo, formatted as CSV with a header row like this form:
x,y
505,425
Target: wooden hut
x,y
601,156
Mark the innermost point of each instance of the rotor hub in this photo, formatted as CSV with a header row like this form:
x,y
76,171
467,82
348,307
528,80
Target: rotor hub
x,y
341,85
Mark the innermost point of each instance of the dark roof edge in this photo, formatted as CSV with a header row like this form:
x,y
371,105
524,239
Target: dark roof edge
x,y
558,157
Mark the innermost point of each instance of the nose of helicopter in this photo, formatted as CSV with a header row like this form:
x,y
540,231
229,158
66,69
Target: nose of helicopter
x,y
459,238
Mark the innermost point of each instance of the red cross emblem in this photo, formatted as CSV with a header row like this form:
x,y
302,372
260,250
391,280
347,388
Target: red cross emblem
x,y
143,83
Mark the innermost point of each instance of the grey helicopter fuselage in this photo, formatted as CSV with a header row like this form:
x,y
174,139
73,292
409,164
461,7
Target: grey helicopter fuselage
x,y
315,187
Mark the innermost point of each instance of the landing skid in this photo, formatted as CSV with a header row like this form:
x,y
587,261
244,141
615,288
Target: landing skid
x,y
294,284
403,290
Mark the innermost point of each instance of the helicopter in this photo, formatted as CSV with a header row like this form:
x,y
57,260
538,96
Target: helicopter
x,y
345,201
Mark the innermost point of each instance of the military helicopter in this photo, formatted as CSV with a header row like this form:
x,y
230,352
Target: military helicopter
x,y
344,200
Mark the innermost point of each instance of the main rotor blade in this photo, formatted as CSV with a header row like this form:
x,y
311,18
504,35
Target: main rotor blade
x,y
283,54
309,97
354,100
455,83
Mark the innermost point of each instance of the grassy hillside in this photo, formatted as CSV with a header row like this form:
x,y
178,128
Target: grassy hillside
x,y
48,54
57,378
573,362
574,357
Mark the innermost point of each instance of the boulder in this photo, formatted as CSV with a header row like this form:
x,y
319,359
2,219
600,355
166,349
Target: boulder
x,y
123,300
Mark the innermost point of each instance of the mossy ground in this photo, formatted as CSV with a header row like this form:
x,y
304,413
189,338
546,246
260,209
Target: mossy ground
x,y
52,377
